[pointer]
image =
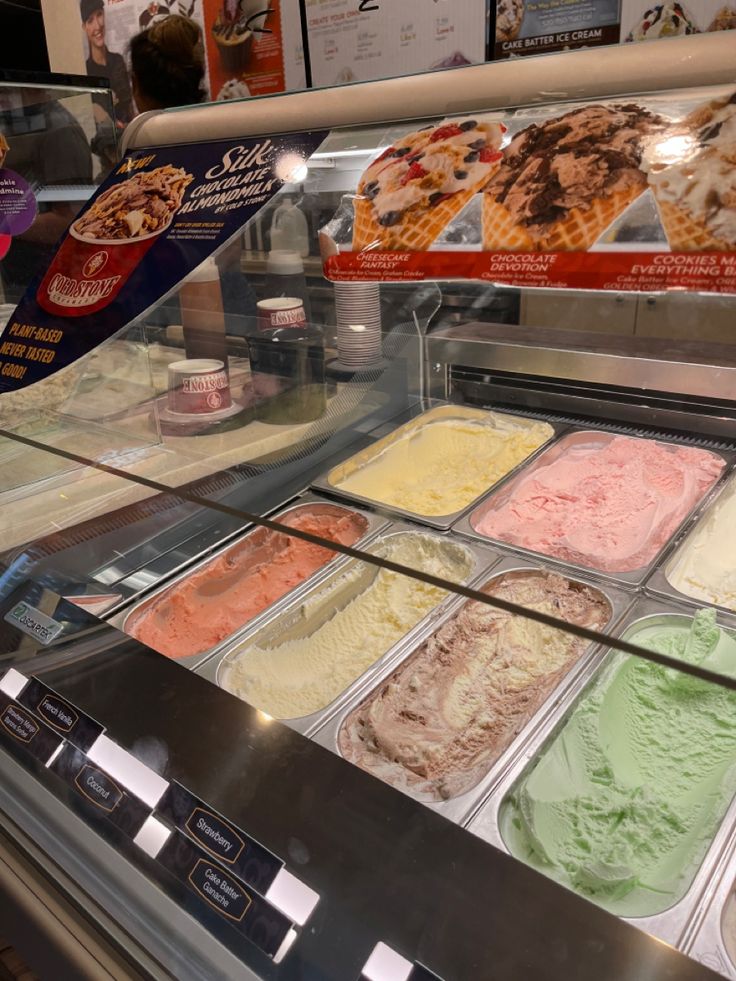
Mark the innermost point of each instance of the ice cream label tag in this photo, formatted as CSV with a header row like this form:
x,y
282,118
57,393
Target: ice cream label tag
x,y
220,900
19,730
66,719
646,206
97,787
247,858
97,795
155,219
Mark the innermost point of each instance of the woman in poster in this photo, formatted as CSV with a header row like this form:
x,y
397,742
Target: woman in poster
x,y
102,61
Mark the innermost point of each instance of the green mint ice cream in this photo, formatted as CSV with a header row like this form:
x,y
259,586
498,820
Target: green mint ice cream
x,y
624,803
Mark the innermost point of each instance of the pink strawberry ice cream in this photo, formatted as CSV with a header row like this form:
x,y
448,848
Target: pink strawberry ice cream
x,y
607,502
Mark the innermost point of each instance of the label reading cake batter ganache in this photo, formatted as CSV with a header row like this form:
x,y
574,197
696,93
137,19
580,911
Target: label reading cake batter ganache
x,y
218,898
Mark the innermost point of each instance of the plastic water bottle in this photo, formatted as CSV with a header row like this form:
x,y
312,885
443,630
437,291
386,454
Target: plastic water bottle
x,y
285,277
289,229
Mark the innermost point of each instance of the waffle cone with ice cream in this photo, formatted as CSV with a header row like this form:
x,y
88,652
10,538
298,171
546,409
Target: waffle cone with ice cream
x,y
563,182
417,186
692,172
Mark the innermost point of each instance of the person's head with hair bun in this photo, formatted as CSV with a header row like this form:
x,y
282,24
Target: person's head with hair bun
x,y
167,64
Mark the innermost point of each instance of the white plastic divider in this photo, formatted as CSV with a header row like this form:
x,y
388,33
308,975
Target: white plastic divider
x,y
289,895
121,765
385,964
13,683
153,836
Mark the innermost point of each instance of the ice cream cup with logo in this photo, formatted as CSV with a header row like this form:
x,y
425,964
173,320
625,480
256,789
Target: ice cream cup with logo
x,y
109,240
87,274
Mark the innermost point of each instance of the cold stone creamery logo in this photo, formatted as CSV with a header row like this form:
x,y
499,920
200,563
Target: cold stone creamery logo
x,y
66,291
196,384
96,264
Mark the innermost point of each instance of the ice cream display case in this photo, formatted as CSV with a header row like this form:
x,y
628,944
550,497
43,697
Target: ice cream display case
x,y
362,644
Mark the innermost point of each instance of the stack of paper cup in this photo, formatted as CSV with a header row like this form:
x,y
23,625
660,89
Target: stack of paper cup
x,y
358,325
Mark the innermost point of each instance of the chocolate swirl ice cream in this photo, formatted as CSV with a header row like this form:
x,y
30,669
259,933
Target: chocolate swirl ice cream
x,y
569,162
436,726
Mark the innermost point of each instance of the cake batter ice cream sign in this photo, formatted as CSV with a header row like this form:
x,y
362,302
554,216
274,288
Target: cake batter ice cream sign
x,y
537,26
160,214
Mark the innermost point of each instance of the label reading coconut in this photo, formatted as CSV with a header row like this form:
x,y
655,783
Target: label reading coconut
x,y
97,795
220,838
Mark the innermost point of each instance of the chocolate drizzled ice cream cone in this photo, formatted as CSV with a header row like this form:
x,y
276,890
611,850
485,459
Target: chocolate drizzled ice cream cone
x,y
563,182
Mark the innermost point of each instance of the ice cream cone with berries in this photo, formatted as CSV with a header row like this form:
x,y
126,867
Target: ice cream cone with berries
x,y
562,183
416,187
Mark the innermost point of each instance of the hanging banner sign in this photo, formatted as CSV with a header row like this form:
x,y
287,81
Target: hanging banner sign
x,y
624,196
159,215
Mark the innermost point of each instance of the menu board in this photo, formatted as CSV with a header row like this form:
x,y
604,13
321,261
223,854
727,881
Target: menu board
x,y
625,195
359,40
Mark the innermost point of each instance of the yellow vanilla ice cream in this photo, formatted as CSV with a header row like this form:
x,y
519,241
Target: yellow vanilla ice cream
x,y
444,465
313,653
705,566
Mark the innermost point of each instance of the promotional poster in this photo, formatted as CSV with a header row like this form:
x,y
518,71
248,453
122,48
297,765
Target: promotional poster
x,y
628,196
525,27
158,216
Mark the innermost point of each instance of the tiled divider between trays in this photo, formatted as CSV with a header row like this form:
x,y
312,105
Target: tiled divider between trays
x,y
670,925
375,524
503,490
326,482
658,583
281,614
459,808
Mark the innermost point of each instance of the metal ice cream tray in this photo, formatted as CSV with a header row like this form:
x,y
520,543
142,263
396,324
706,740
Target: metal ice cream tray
x,y
373,524
329,482
459,808
467,525
288,617
659,583
671,924
704,939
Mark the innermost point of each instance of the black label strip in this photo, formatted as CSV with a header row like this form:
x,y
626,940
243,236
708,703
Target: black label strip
x,y
219,838
63,717
21,730
101,796
216,895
